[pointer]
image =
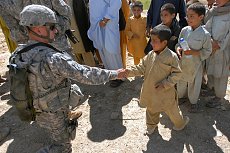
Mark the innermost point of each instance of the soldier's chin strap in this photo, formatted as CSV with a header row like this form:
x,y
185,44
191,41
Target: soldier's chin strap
x,y
44,37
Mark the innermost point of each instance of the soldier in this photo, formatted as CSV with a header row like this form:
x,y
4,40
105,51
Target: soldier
x,y
10,10
50,74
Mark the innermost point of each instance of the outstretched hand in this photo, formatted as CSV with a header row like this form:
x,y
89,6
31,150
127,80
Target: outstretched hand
x,y
122,73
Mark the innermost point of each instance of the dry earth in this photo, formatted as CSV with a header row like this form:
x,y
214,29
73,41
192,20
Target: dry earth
x,y
112,122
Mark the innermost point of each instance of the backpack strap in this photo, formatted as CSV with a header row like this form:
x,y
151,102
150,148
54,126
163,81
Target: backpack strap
x,y
27,48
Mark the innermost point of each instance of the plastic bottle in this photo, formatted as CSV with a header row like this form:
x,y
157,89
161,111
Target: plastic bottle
x,y
184,46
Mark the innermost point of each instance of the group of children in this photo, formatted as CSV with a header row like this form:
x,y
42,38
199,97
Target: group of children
x,y
169,70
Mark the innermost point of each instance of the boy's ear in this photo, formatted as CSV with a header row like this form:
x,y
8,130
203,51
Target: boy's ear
x,y
165,42
201,17
174,15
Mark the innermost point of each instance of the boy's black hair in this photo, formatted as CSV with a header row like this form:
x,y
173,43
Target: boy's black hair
x,y
198,7
137,4
169,7
162,31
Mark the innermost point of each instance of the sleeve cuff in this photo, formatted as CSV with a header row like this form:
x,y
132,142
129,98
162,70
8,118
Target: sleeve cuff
x,y
113,75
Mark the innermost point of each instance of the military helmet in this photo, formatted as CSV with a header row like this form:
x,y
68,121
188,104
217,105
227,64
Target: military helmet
x,y
37,15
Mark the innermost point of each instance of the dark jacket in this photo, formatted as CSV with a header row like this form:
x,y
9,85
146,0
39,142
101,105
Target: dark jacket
x,y
153,14
175,29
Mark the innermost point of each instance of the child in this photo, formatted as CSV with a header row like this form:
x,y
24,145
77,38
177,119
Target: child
x,y
161,71
168,13
135,31
218,63
153,15
199,41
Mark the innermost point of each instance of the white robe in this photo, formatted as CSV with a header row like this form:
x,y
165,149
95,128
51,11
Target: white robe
x,y
219,63
192,68
219,27
107,39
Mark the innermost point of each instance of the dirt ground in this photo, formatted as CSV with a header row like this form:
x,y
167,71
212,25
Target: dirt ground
x,y
112,122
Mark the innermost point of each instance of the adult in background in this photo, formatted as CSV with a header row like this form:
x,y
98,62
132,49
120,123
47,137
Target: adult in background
x,y
104,32
83,49
153,15
10,10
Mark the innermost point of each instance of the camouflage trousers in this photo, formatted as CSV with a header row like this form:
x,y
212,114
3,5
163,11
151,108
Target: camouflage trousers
x,y
61,129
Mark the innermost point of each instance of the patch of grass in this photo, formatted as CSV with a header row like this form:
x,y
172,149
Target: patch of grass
x,y
146,4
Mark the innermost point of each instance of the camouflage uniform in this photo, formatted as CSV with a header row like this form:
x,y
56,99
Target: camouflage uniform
x,y
49,81
10,10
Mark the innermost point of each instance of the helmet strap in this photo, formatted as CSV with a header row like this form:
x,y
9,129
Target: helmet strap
x,y
43,37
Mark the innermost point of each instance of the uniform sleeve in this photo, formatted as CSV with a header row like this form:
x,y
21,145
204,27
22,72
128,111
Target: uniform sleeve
x,y
138,70
128,31
63,66
113,9
206,50
175,74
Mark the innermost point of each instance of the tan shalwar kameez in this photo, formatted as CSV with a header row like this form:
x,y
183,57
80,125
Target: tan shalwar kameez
x,y
123,40
163,68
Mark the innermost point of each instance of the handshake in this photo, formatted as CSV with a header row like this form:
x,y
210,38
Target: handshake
x,y
122,73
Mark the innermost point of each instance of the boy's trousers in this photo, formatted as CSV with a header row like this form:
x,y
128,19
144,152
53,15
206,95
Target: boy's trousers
x,y
219,85
191,89
152,118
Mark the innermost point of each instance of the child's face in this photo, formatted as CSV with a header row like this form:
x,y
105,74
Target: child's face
x,y
136,12
167,17
194,20
221,2
157,44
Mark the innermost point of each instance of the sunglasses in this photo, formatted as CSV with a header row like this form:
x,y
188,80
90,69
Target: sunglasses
x,y
50,26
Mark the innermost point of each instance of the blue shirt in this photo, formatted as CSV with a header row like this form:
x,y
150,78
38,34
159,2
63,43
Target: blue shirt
x,y
153,14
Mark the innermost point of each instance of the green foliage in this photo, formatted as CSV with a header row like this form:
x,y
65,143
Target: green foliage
x,y
146,4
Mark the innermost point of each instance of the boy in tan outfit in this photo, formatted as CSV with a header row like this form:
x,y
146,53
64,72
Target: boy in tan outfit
x,y
161,72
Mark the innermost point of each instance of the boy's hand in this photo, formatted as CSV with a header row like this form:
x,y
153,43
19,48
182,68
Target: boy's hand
x,y
122,73
159,86
103,22
215,46
179,52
